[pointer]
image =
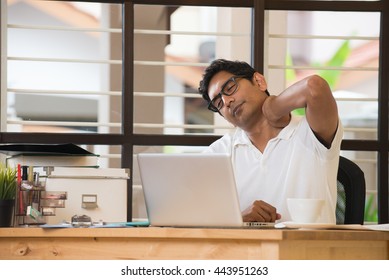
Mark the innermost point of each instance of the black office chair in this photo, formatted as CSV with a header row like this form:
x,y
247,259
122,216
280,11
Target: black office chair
x,y
350,208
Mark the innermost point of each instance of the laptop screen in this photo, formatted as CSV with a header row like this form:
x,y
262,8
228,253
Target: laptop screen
x,y
190,190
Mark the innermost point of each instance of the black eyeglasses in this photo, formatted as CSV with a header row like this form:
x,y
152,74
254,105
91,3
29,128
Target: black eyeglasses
x,y
228,89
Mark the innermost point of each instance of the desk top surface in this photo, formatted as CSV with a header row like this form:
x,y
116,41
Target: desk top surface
x,y
194,233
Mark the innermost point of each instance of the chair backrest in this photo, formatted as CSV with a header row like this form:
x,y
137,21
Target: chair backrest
x,y
350,207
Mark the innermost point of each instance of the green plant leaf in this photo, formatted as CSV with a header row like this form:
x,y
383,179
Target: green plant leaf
x,y
371,211
8,182
299,112
290,73
337,60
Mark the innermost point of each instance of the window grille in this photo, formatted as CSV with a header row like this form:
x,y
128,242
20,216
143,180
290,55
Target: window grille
x,y
128,132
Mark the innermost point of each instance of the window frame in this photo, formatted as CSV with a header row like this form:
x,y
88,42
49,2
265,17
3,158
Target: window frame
x,y
127,139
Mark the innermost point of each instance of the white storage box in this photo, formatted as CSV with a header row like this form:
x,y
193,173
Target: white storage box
x,y
100,193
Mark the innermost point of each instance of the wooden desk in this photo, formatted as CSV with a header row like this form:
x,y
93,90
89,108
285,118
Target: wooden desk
x,y
178,243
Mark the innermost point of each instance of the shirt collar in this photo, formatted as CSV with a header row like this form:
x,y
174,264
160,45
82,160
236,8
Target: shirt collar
x,y
241,137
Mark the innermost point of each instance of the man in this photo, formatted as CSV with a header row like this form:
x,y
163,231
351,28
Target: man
x,y
275,154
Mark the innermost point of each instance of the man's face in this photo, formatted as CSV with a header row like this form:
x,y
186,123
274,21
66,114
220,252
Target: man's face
x,y
242,99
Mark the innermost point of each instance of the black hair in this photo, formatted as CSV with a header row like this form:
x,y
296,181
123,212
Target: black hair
x,y
237,68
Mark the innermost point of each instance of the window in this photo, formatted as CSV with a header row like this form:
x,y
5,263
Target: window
x,y
346,54
55,64
120,117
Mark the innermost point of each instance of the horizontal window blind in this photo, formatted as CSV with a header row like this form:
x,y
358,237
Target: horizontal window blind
x,y
177,67
143,72
30,33
348,62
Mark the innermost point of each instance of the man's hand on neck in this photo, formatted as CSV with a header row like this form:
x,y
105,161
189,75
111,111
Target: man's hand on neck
x,y
273,119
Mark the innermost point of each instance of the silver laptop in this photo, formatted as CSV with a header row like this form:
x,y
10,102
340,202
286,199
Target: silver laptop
x,y
191,190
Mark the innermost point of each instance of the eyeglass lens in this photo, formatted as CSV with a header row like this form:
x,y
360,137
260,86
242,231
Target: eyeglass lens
x,y
228,89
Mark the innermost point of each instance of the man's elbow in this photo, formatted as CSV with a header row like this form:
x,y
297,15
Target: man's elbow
x,y
318,87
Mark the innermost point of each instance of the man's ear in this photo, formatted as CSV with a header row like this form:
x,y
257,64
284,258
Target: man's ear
x,y
260,81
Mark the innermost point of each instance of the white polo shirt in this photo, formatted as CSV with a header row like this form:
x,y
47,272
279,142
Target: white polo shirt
x,y
293,164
